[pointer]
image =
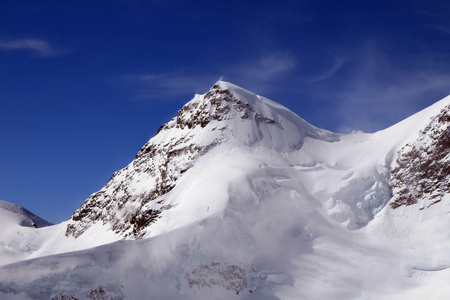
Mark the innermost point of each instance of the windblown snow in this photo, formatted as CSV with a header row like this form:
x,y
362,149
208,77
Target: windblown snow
x,y
237,197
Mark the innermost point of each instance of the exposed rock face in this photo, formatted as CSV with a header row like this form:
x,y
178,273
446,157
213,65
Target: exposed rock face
x,y
215,274
132,199
219,105
423,167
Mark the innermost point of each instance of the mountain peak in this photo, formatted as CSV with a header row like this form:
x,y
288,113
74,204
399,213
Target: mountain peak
x,y
26,217
226,116
238,197
224,101
218,104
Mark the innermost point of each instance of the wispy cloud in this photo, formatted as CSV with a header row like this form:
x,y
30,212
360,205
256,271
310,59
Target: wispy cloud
x,y
266,68
263,74
378,93
371,107
368,91
338,63
443,29
167,86
39,47
254,74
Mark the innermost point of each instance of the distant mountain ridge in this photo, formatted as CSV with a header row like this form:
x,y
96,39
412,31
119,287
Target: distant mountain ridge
x,y
27,217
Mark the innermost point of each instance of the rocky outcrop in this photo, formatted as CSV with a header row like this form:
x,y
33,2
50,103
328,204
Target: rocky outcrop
x,y
215,274
132,199
422,168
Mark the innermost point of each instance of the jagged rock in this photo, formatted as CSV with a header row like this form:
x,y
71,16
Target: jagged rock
x,y
423,167
127,202
215,274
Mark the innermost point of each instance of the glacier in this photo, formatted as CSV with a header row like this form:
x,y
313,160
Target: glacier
x,y
237,197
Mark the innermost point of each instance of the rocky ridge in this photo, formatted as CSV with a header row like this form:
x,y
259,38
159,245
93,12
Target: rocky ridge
x,y
423,167
132,198
237,197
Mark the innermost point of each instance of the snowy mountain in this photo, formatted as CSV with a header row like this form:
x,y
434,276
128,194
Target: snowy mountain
x,y
16,224
24,216
237,197
136,196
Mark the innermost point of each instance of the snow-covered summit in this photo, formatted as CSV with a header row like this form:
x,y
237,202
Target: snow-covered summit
x,y
354,169
237,197
23,216
244,117
226,116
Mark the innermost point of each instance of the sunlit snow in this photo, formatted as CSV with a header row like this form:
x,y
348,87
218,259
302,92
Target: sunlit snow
x,y
279,209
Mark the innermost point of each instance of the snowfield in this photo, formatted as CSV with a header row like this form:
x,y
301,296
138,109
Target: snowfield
x,y
239,198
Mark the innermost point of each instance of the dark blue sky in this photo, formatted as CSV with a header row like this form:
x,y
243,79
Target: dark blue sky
x,y
84,84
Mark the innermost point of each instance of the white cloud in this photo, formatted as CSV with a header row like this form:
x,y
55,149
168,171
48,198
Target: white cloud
x,y
266,68
40,47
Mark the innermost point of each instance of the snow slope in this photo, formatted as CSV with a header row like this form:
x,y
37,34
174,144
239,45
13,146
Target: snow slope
x,y
227,116
20,240
23,216
239,198
17,226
